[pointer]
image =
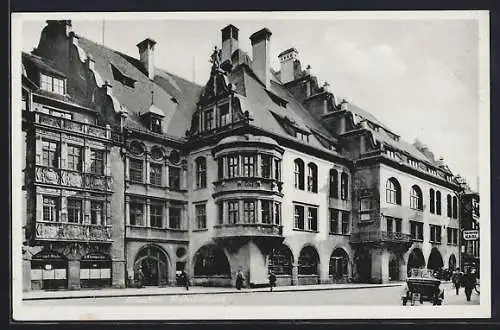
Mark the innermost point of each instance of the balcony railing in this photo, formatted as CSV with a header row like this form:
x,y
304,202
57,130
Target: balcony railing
x,y
248,229
139,232
380,236
71,125
69,178
62,231
248,183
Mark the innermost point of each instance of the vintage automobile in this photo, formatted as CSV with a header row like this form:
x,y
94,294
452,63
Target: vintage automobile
x,y
422,286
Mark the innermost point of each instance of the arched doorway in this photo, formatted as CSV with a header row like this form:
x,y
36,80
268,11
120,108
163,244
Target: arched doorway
x,y
415,260
363,262
280,261
394,274
308,261
435,260
452,262
339,265
95,270
308,266
154,263
49,271
210,260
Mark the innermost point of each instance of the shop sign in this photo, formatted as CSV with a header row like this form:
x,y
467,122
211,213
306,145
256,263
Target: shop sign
x,y
471,235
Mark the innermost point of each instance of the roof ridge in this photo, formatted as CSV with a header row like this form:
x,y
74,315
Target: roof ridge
x,y
138,60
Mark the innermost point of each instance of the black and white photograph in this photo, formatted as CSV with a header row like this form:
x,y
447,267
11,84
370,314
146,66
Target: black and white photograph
x,y
250,165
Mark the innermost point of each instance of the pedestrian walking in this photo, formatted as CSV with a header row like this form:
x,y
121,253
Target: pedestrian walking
x,y
139,277
239,279
468,282
184,279
272,280
457,279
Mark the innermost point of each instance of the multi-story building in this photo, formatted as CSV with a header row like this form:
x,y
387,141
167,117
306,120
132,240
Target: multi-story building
x,y
470,225
258,170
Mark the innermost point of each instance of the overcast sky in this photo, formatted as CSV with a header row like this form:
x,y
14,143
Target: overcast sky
x,y
419,77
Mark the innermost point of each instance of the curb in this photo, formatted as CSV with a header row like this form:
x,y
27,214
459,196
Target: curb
x,y
138,294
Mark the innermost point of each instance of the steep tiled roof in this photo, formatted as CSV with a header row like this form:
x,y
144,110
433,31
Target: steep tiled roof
x,y
367,115
383,135
264,111
30,60
175,97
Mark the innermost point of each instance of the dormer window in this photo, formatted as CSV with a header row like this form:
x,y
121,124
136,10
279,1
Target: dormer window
x,y
208,120
153,119
52,84
412,162
155,124
224,115
122,78
302,136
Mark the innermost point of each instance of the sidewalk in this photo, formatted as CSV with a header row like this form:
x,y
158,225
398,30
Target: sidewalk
x,y
168,291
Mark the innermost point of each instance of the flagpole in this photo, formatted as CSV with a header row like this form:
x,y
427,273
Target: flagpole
x,y
103,27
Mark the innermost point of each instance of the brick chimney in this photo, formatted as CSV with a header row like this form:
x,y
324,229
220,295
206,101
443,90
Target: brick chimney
x,y
287,58
229,42
64,24
146,53
261,45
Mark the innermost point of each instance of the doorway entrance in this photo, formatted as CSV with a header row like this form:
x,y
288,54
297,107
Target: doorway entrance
x,y
154,263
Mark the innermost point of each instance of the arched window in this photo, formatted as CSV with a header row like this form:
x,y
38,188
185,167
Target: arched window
x,y
448,206
281,260
393,191
455,207
210,260
201,172
299,174
334,183
308,261
438,202
344,186
312,177
416,198
431,200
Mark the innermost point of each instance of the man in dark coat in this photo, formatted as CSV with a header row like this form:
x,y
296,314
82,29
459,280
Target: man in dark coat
x,y
457,279
184,280
239,279
140,277
469,282
272,280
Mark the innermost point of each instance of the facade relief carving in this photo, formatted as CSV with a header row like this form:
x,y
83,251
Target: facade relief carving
x,y
71,231
73,179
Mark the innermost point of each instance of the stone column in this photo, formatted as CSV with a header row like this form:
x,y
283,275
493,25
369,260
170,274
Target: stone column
x,y
26,271
167,215
380,265
63,153
258,210
295,274
63,209
147,213
118,273
39,207
164,217
74,274
402,269
127,210
148,170
127,165
86,212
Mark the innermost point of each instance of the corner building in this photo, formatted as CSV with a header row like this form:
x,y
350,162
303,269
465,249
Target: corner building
x,y
258,170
